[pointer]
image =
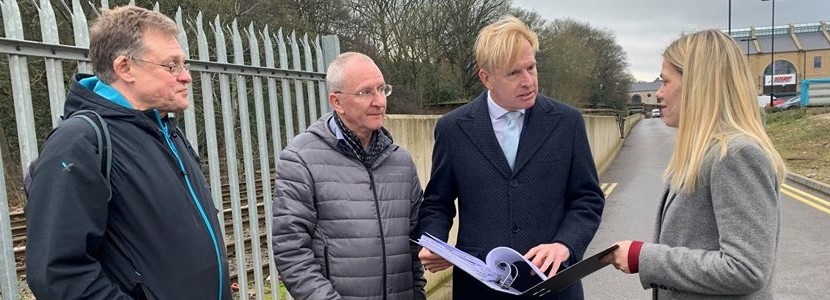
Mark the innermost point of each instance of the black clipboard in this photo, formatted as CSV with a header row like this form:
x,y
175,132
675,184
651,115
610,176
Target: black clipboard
x,y
569,276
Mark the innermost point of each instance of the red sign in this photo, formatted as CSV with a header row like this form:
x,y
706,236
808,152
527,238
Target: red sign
x,y
780,79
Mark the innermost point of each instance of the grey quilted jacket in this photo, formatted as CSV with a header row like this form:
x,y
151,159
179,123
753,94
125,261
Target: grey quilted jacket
x,y
341,230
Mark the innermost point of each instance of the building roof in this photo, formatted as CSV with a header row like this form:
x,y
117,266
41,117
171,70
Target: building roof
x,y
810,35
637,87
783,43
814,41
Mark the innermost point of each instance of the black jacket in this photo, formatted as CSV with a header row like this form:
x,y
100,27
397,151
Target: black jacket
x,y
157,238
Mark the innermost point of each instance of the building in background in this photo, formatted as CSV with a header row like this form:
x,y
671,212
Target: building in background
x,y
802,51
644,94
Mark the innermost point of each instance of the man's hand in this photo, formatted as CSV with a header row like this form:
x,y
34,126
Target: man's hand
x,y
619,258
431,261
548,256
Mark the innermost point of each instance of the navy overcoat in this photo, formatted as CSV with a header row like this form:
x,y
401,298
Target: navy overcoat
x,y
551,196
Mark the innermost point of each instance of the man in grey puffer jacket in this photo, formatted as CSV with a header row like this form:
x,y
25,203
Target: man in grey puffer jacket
x,y
347,198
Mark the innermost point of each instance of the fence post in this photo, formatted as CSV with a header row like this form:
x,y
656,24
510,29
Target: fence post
x,y
190,112
264,165
21,90
273,103
298,84
309,66
210,124
321,67
247,165
80,29
231,155
54,69
331,48
276,140
8,275
286,89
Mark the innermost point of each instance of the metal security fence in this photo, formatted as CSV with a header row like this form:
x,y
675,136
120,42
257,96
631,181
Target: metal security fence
x,y
252,91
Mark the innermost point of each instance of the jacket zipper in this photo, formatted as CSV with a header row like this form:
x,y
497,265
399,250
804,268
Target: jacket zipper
x,y
172,146
380,226
326,261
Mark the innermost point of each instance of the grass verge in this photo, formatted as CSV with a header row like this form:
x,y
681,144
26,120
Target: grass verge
x,y
802,136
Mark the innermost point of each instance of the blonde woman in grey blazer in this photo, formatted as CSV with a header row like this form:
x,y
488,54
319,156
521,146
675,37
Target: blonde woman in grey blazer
x,y
717,229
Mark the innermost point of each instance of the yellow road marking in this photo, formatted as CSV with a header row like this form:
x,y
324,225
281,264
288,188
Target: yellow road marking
x,y
607,188
806,198
807,195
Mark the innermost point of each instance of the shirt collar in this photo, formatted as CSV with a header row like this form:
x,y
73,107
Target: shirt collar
x,y
495,110
335,129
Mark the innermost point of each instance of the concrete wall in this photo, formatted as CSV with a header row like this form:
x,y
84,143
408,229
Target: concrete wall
x,y
415,134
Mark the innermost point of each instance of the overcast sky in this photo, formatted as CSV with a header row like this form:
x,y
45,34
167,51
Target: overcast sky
x,y
645,27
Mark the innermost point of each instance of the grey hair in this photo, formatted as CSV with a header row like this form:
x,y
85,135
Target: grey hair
x,y
334,73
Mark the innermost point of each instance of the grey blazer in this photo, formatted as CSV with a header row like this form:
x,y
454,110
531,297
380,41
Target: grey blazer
x,y
720,241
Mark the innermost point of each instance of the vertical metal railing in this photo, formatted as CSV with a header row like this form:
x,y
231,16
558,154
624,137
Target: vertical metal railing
x,y
209,116
298,84
19,76
264,162
276,141
8,276
80,30
219,123
190,129
309,67
54,69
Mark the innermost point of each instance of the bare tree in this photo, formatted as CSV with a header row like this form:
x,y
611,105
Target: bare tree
x,y
581,65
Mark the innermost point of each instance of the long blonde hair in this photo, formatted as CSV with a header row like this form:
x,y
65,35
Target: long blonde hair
x,y
717,103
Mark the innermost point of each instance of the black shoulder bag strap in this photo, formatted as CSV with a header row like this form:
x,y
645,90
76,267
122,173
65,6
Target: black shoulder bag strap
x,y
104,142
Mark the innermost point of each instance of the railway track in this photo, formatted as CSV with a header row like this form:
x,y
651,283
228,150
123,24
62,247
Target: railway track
x,y
18,227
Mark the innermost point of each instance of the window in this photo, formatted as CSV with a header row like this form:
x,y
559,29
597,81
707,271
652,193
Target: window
x,y
781,67
817,62
636,99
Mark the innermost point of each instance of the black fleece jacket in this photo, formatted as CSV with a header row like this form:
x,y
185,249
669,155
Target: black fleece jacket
x,y
157,237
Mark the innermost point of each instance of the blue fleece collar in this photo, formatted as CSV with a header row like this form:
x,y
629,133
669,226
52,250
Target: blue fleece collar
x,y
105,90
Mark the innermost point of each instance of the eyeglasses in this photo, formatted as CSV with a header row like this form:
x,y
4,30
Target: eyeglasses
x,y
385,89
174,68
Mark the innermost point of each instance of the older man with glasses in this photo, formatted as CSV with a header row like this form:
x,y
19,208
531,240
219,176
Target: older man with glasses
x,y
139,223
347,198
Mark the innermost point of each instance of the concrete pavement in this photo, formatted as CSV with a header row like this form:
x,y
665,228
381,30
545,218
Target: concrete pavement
x,y
630,210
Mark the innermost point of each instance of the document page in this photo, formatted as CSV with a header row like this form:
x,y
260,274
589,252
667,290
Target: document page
x,y
502,255
461,259
503,265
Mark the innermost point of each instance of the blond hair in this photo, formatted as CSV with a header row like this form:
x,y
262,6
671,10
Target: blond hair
x,y
119,31
717,104
498,45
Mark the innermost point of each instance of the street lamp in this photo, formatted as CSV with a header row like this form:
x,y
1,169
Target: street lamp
x,y
747,40
771,55
730,19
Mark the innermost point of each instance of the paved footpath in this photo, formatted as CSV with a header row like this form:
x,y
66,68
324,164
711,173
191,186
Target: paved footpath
x,y
635,182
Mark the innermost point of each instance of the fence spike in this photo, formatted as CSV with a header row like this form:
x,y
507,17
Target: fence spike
x,y
276,141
